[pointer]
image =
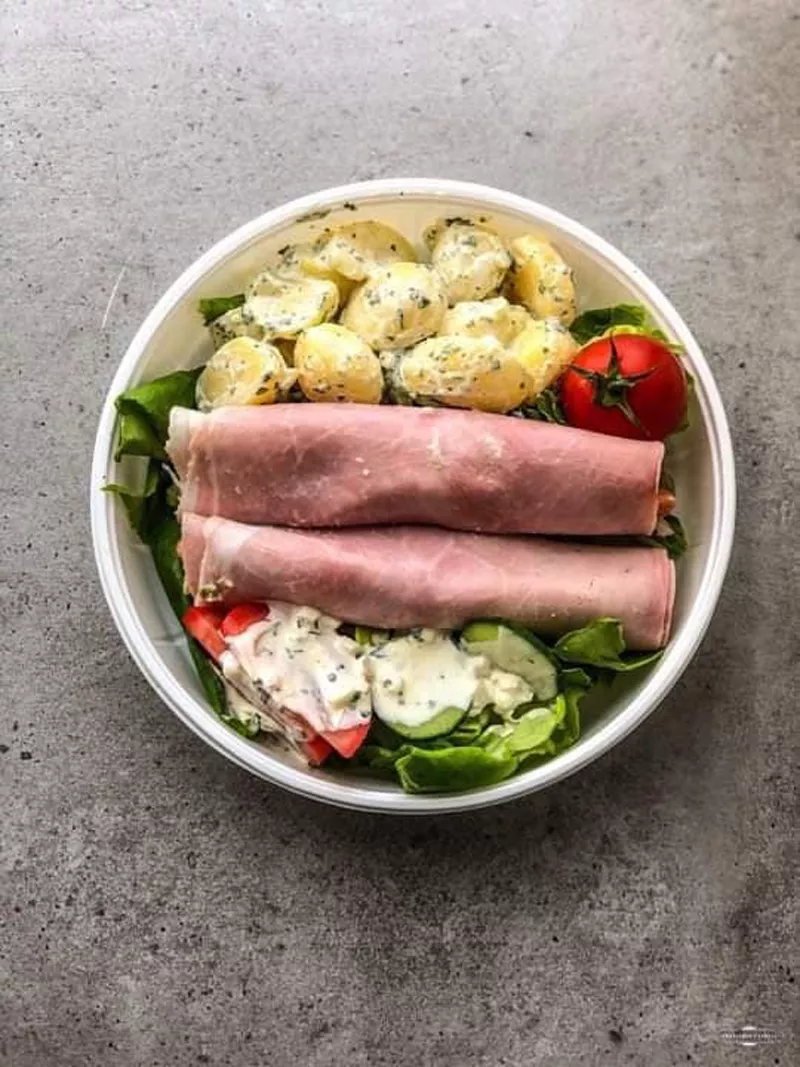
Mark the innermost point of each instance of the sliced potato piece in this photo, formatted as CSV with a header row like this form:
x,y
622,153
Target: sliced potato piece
x,y
357,249
334,364
284,305
242,372
542,281
231,325
544,349
485,318
396,306
472,261
463,372
519,319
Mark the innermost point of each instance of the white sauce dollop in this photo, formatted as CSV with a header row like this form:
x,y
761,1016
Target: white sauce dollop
x,y
298,660
413,678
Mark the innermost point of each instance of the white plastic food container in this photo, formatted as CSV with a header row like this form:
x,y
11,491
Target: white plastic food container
x,y
173,336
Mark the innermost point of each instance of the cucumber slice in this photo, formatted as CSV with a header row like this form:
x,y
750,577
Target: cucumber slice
x,y
507,649
442,723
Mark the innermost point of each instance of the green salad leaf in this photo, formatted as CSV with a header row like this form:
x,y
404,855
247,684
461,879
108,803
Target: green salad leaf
x,y
601,644
479,751
138,502
569,729
574,678
594,323
136,437
620,318
211,307
545,408
144,412
452,770
670,535
212,686
143,427
162,540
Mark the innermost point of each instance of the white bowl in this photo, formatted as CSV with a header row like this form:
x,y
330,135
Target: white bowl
x,y
172,336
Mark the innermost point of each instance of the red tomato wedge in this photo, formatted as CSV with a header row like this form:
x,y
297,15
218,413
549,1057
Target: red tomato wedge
x,y
316,750
238,619
203,624
347,742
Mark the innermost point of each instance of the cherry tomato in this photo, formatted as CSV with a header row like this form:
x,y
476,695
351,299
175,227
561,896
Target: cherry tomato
x,y
626,385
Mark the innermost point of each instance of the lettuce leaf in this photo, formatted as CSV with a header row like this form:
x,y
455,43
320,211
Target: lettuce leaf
x,y
574,678
135,437
211,307
601,644
476,753
452,770
595,322
670,535
138,502
144,412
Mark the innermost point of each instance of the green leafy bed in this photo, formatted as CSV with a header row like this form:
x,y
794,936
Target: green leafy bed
x,y
484,748
487,747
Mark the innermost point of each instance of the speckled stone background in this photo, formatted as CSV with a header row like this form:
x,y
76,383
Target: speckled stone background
x,y
160,907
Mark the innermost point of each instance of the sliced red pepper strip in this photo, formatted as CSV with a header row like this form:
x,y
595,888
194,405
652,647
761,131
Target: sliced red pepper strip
x,y
203,624
238,619
347,742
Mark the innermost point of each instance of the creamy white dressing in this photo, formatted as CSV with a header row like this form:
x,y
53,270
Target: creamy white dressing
x,y
243,709
415,677
503,689
299,662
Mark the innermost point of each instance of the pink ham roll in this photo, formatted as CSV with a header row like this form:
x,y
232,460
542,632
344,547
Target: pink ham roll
x,y
422,576
312,465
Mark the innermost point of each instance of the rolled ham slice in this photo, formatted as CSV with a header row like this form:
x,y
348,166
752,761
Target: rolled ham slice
x,y
310,465
423,576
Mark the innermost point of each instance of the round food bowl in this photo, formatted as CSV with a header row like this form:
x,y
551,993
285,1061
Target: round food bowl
x,y
173,337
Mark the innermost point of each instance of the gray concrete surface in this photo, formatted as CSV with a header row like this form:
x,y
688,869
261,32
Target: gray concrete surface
x,y
162,908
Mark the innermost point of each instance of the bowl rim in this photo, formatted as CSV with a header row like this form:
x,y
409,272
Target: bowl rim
x,y
262,763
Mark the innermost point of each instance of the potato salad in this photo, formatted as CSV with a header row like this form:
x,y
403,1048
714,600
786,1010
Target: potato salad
x,y
361,315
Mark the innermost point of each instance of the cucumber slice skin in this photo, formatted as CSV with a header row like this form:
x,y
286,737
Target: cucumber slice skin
x,y
480,636
442,723
486,629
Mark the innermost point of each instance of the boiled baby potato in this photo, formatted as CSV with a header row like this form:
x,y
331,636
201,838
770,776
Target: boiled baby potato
x,y
305,260
334,364
396,306
542,281
243,371
358,248
284,305
544,349
231,325
463,372
472,261
485,318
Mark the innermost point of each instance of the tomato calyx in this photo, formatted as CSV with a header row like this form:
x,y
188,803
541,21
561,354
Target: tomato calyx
x,y
610,387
